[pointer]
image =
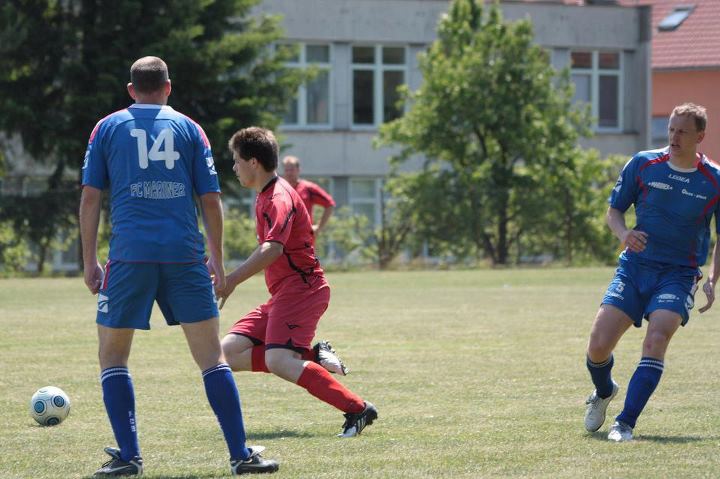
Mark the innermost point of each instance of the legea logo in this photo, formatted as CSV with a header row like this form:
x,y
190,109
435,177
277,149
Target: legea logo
x,y
679,178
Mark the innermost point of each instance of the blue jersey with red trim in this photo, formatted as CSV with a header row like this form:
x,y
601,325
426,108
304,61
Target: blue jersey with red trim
x,y
153,159
674,206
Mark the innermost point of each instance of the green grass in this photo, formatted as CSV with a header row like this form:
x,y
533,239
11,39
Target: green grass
x,y
475,374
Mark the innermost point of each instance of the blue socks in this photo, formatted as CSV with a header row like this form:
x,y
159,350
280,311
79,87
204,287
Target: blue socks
x,y
119,398
225,401
642,384
601,377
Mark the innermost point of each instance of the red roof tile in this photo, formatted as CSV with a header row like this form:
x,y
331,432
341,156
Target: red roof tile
x,y
694,44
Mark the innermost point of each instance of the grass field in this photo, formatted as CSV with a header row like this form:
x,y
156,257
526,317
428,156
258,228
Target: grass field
x,y
475,374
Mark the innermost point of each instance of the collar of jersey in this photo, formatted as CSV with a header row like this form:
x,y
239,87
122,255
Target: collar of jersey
x,y
269,184
149,106
681,170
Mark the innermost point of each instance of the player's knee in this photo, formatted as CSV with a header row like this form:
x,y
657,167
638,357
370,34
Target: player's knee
x,y
655,343
276,361
598,350
230,353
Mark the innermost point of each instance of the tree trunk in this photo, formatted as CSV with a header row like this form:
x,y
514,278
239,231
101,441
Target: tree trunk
x,y
502,228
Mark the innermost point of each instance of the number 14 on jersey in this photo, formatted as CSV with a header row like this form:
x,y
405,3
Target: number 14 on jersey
x,y
163,149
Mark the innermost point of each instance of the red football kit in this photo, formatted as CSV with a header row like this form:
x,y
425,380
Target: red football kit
x,y
299,292
312,194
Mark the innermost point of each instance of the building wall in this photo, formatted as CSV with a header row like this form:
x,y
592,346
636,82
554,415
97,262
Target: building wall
x,y
671,88
341,150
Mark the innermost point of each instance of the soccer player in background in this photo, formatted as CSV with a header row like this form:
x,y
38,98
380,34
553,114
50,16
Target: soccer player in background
x,y
154,159
675,191
310,193
276,336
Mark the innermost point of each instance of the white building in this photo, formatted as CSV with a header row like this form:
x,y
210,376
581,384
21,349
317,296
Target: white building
x,y
364,49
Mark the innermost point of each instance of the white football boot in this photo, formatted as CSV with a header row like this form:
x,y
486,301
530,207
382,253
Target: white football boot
x,y
596,409
620,432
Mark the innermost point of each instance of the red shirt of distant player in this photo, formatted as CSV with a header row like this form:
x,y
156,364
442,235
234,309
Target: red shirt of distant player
x,y
311,194
282,217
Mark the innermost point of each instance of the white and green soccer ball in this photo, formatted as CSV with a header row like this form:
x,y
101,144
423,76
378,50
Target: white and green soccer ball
x,y
49,406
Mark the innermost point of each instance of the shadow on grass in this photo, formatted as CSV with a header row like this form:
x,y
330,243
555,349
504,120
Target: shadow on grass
x,y
602,436
256,436
677,439
207,475
597,435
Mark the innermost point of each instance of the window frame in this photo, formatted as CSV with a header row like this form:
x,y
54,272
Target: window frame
x,y
595,72
366,200
378,68
301,95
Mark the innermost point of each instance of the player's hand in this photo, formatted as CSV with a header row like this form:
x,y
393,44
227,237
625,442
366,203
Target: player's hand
x,y
93,276
316,229
709,290
635,240
229,288
217,273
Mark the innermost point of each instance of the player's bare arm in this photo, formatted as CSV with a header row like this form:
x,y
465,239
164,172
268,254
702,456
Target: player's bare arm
x,y
327,213
212,213
709,286
90,203
263,256
633,240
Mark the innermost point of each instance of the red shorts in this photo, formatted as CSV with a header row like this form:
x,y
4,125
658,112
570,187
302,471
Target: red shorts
x,y
291,316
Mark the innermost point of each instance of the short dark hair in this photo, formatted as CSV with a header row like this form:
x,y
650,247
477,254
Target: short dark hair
x,y
258,143
148,74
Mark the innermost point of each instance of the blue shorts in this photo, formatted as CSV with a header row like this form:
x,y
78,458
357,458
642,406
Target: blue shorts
x,y
638,289
184,293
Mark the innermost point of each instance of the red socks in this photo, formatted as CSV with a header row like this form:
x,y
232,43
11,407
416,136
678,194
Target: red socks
x,y
323,386
258,359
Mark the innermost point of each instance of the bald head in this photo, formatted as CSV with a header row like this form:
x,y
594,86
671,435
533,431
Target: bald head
x,y
148,75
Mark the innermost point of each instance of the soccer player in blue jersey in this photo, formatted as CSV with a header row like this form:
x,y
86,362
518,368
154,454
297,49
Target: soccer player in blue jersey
x,y
154,159
676,193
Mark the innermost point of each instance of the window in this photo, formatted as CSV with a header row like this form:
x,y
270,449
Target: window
x,y
365,198
311,106
659,131
598,81
377,72
675,18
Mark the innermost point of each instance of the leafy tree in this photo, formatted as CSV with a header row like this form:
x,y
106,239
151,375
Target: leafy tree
x,y
65,64
344,238
496,124
14,251
239,238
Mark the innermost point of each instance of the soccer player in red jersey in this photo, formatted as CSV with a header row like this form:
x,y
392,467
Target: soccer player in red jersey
x,y
276,336
310,193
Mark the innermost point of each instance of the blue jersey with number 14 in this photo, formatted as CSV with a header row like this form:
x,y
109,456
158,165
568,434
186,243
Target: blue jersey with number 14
x,y
153,159
673,206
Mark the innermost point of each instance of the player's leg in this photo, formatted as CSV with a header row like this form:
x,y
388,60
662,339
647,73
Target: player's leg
x,y
669,308
243,346
609,326
663,325
124,305
621,306
292,321
186,297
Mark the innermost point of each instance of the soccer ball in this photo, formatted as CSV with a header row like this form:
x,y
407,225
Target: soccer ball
x,y
49,406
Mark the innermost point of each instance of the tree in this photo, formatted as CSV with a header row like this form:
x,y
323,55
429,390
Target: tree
x,y
496,124
65,64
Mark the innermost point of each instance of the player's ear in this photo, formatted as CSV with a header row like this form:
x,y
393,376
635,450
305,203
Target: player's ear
x,y
168,87
131,91
701,136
